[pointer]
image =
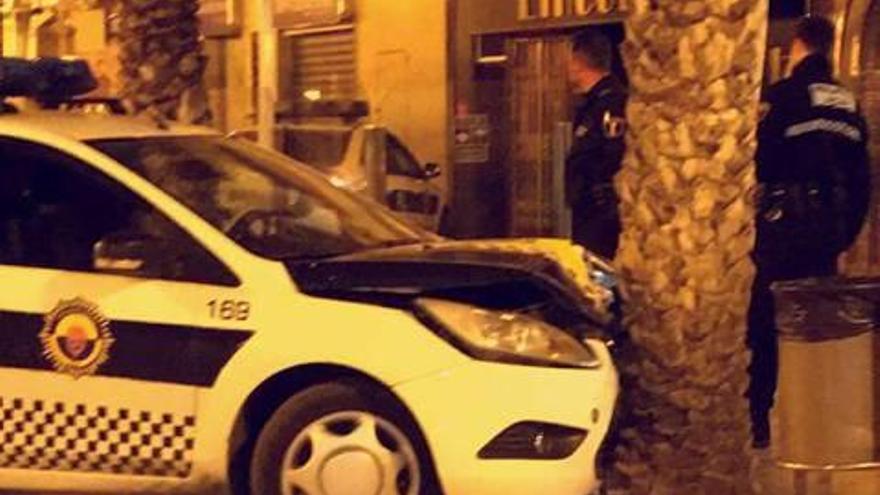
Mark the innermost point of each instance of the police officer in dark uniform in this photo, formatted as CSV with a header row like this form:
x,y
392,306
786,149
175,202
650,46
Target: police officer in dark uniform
x,y
598,145
814,188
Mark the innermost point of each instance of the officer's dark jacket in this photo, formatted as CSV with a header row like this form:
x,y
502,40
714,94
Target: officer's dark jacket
x,y
813,163
598,145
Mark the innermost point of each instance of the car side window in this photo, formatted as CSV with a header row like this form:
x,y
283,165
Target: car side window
x,y
55,211
400,161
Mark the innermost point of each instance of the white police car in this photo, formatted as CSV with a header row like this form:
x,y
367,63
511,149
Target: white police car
x,y
187,312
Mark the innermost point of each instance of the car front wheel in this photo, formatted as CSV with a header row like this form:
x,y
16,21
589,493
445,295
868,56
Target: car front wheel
x,y
339,439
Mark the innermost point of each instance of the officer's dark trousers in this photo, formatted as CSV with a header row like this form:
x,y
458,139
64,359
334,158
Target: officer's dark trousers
x,y
762,332
598,232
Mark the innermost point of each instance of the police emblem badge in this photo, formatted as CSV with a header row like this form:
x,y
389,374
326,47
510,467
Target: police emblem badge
x,y
76,338
613,127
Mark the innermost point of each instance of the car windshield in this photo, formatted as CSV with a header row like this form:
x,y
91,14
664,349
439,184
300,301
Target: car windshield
x,y
269,204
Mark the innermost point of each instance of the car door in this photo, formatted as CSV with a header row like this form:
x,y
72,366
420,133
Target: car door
x,y
100,360
409,192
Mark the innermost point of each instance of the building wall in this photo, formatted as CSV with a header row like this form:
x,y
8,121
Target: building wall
x,y
403,71
483,196
401,63
868,82
480,197
858,63
229,75
476,17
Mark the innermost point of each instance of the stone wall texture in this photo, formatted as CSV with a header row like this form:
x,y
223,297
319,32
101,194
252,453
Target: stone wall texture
x,y
687,188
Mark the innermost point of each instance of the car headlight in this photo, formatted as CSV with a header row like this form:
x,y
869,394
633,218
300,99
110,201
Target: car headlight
x,y
600,271
505,336
605,279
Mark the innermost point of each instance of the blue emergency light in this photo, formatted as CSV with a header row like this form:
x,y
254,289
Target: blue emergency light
x,y
50,81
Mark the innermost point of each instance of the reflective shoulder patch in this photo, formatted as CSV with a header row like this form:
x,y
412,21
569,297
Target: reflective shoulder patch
x,y
825,125
613,127
832,96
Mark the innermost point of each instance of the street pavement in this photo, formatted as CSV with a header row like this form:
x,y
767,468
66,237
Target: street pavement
x,y
773,480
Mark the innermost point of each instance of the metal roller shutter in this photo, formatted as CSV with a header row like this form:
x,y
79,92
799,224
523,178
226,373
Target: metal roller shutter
x,y
320,63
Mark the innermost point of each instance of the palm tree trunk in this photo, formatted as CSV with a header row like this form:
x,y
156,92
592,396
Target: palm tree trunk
x,y
696,69
162,59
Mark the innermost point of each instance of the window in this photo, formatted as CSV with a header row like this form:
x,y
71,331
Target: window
x,y
54,210
399,160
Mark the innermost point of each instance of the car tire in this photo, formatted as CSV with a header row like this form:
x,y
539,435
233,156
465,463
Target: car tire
x,y
341,427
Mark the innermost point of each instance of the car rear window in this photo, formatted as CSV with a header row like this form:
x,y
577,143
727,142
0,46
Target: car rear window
x,y
322,148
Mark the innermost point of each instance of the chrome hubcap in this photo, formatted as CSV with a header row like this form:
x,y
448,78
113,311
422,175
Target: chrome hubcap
x,y
350,453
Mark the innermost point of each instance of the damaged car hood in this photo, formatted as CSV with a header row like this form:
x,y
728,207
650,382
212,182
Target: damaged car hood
x,y
517,271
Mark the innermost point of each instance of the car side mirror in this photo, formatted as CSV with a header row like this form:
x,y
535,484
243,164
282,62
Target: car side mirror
x,y
432,170
129,254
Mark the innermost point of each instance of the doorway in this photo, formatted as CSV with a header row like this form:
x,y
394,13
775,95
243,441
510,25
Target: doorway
x,y
538,98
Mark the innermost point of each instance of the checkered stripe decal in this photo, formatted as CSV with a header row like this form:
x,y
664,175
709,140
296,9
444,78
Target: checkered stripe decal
x,y
49,436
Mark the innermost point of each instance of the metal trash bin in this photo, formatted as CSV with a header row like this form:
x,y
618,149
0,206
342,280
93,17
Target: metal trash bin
x,y
826,414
